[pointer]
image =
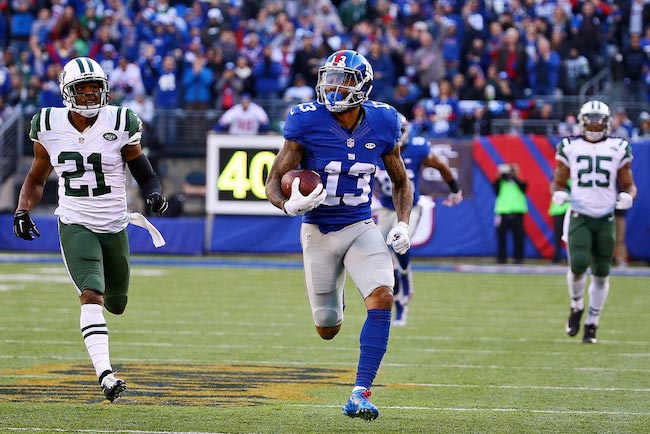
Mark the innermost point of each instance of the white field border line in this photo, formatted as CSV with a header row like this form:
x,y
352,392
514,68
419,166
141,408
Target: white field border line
x,y
312,348
125,431
499,410
333,364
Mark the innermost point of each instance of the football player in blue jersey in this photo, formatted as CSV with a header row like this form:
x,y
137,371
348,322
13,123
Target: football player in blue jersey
x,y
343,136
416,152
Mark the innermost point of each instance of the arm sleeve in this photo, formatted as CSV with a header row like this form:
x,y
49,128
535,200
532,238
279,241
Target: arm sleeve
x,y
144,175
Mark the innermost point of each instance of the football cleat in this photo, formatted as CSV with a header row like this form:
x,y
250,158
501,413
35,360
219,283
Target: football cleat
x,y
590,334
112,387
359,405
401,312
573,322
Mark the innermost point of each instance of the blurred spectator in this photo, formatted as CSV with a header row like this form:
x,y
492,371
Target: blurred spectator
x,y
326,16
633,60
428,60
167,98
66,23
244,118
125,81
405,95
197,82
642,132
477,123
143,106
443,111
50,92
351,12
307,61
212,29
420,124
622,126
20,23
42,26
543,69
299,92
587,34
149,64
569,127
252,48
512,59
383,70
577,71
267,75
244,72
228,88
5,110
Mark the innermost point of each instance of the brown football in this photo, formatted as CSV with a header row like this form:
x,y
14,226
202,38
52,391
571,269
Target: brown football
x,y
308,181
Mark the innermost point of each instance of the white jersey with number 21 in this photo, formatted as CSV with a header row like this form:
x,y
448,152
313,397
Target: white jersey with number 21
x,y
91,170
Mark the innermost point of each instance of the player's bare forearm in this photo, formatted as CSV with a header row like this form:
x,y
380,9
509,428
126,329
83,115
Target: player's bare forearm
x,y
287,159
402,192
626,180
436,163
31,191
560,178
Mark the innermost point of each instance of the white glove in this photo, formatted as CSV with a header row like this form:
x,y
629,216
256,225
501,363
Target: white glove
x,y
453,198
560,197
299,204
398,238
624,200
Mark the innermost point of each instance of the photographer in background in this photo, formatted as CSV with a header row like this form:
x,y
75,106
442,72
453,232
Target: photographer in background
x,y
510,208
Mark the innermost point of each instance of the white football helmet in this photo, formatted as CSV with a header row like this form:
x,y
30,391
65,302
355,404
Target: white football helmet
x,y
345,81
595,121
81,70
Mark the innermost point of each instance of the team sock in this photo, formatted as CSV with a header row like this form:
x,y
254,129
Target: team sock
x,y
598,291
576,286
373,342
95,335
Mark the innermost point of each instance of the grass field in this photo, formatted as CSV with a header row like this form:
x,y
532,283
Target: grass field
x,y
233,350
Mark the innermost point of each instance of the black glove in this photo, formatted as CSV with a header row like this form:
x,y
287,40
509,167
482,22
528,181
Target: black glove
x,y
24,226
157,203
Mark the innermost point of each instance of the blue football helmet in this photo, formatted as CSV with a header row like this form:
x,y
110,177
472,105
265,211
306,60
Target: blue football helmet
x,y
345,81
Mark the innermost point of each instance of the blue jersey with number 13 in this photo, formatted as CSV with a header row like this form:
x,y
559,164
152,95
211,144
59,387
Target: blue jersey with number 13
x,y
344,160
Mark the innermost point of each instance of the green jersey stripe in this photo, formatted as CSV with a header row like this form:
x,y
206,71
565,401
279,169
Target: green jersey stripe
x,y
47,119
119,119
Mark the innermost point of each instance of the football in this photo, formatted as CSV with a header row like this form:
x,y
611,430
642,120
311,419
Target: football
x,y
308,181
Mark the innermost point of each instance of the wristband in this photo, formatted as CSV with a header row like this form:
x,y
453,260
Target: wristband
x,y
453,186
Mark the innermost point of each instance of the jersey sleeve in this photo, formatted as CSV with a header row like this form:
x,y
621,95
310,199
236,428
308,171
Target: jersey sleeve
x,y
133,128
627,153
562,151
35,126
292,129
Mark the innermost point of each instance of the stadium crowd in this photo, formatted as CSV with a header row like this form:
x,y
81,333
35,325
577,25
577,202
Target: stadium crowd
x,y
429,57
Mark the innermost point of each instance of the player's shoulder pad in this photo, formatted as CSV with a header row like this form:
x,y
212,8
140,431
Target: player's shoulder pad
x,y
133,123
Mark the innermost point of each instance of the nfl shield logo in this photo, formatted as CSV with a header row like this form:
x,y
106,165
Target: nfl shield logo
x,y
350,143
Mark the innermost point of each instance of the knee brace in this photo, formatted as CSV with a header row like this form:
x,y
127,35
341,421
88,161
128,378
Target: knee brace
x,y
327,317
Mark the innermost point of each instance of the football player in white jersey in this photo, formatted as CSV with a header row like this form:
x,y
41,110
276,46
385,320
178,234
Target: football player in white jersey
x,y
88,143
594,162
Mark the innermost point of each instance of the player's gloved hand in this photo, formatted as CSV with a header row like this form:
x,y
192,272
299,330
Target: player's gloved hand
x,y
157,203
398,238
560,197
24,226
298,204
624,200
453,198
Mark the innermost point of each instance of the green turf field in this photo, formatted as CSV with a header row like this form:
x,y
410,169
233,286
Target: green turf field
x,y
233,350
